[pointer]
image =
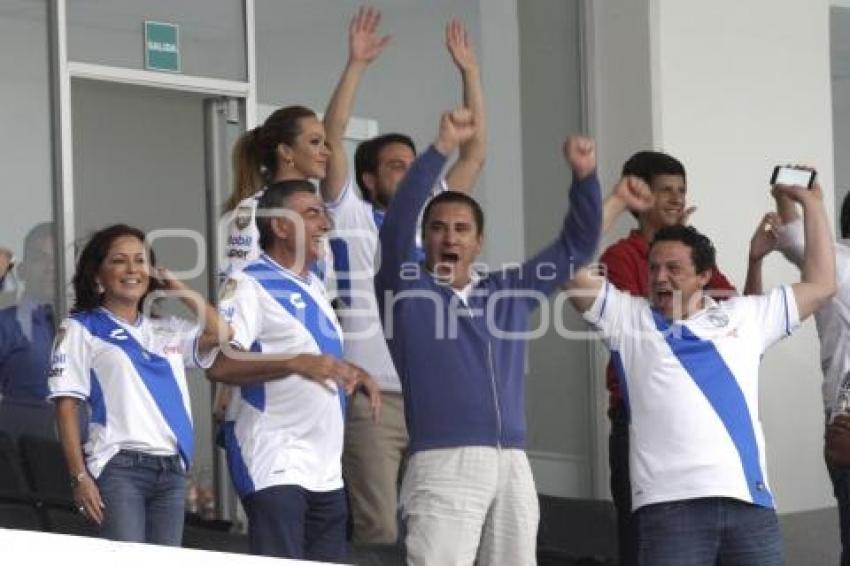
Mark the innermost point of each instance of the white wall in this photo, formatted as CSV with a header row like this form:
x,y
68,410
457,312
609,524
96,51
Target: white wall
x,y
742,86
26,180
711,84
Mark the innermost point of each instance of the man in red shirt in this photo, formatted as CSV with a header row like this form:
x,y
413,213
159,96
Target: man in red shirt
x,y
626,262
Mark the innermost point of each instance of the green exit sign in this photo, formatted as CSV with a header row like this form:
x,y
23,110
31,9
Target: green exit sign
x,y
162,47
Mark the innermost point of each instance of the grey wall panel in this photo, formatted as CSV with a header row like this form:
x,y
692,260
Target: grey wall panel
x,y
558,398
26,181
212,34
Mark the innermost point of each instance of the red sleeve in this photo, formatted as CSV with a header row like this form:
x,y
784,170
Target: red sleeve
x,y
620,269
719,282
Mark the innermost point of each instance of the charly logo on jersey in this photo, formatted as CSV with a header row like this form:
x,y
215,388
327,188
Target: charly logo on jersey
x,y
118,334
243,217
297,301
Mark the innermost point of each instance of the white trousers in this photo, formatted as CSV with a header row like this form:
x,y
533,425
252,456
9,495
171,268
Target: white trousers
x,y
473,504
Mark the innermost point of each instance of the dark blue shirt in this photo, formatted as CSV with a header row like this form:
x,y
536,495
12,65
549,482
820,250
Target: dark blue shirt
x,y
25,360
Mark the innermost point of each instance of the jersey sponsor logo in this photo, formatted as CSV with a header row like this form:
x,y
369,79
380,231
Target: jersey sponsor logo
x,y
238,254
239,240
118,334
297,301
170,349
244,215
55,372
58,358
228,288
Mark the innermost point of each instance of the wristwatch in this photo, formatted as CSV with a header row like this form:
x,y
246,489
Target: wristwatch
x,y
75,480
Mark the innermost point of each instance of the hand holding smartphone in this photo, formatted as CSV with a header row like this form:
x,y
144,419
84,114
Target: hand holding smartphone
x,y
793,176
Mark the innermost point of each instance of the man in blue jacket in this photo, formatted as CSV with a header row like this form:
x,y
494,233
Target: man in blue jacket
x,y
457,338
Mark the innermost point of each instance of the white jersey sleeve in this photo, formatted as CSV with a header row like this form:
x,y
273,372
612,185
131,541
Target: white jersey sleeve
x,y
615,313
349,210
774,314
240,306
70,365
189,333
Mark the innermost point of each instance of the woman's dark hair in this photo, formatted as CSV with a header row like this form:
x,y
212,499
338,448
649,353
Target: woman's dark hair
x,y
92,257
255,152
702,250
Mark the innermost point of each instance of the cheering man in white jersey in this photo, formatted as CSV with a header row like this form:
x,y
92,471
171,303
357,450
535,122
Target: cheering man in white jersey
x,y
284,437
689,369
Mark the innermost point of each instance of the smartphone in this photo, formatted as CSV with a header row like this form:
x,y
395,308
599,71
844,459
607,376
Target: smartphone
x,y
792,176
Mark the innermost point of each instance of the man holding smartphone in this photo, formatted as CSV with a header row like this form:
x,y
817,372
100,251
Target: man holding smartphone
x,y
689,365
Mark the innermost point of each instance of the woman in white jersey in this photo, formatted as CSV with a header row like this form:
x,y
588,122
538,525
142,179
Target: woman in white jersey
x,y
293,144
128,367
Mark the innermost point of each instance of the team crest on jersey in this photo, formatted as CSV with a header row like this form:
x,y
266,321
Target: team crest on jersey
x,y
228,289
243,217
718,318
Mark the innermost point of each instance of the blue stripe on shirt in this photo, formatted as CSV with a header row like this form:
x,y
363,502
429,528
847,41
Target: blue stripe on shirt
x,y
296,299
156,374
706,367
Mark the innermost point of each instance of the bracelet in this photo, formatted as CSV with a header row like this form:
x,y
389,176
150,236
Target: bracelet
x,y
76,480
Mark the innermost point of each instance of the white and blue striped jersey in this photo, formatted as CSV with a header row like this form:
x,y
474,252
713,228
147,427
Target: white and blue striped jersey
x,y
287,431
133,378
691,388
243,239
354,243
242,245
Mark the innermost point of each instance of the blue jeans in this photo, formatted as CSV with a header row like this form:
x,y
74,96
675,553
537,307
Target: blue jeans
x,y
841,488
708,532
288,521
144,497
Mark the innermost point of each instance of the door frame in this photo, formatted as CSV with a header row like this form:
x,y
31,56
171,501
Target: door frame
x,y
63,70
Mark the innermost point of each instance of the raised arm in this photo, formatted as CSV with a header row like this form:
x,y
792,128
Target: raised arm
x,y
364,46
762,243
463,174
398,232
817,283
630,193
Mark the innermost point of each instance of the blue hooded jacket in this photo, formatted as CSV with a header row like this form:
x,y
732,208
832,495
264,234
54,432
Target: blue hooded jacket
x,y
461,369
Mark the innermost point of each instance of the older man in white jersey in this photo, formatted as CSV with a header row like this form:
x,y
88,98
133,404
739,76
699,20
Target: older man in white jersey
x,y
284,437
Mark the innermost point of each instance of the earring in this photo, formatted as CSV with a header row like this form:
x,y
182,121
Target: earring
x,y
99,288
288,162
